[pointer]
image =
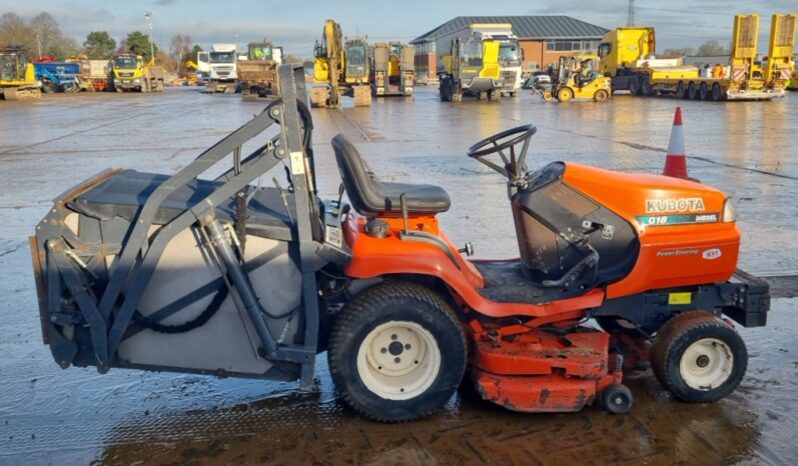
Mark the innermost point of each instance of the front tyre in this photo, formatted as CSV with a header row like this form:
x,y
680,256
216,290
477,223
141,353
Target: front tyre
x,y
565,94
701,360
397,352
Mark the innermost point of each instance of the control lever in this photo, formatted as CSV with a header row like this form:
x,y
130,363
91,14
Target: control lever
x,y
591,226
336,210
591,260
403,206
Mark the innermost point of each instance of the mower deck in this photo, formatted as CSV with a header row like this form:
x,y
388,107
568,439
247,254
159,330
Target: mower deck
x,y
542,371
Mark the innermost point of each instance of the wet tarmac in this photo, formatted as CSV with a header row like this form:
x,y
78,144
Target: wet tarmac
x,y
49,415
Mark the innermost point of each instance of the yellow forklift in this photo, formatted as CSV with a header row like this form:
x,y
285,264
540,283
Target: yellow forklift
x,y
340,69
577,79
17,76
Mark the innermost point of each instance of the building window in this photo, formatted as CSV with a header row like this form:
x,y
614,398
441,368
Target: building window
x,y
562,45
424,47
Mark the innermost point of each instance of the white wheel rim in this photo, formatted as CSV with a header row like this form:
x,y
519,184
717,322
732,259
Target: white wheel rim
x,y
706,364
398,360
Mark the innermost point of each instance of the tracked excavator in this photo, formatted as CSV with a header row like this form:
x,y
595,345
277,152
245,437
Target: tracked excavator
x,y
341,68
17,76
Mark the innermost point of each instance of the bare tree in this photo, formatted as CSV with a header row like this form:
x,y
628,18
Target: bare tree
x,y
48,34
179,50
678,53
15,31
712,47
40,37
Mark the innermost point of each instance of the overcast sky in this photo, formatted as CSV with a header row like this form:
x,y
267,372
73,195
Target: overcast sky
x,y
296,24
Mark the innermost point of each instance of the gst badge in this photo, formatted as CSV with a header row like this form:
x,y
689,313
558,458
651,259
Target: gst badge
x,y
685,204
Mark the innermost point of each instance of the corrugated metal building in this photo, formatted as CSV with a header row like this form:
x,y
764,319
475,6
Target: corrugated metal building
x,y
543,40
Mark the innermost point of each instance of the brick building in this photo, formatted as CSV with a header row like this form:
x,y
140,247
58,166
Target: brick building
x,y
543,40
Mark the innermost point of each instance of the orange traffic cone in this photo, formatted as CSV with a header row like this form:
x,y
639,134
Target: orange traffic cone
x,y
675,161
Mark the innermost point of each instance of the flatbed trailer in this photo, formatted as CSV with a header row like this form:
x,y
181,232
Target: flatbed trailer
x,y
628,57
698,88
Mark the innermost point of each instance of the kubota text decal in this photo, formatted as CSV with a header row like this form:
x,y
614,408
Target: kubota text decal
x,y
686,204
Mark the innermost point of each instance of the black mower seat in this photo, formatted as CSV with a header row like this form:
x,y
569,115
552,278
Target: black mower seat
x,y
370,196
124,194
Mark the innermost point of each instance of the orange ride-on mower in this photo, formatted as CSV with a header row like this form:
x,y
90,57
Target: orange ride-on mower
x,y
223,277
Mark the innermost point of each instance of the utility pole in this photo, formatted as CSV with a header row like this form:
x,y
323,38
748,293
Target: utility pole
x,y
630,15
148,16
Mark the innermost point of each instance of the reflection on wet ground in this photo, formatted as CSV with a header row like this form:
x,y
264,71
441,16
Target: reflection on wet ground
x,y
75,416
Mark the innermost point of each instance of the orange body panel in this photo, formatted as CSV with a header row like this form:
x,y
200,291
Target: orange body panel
x,y
375,257
670,255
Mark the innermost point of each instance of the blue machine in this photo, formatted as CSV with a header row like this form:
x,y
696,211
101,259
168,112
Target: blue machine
x,y
57,76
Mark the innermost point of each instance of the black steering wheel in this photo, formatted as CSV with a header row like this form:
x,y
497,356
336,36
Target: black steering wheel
x,y
505,140
501,141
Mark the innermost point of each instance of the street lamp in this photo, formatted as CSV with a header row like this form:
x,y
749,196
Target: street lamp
x,y
148,16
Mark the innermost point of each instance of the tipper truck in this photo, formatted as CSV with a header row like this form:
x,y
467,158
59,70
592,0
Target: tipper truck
x,y
131,74
94,74
222,70
392,69
511,56
628,57
484,61
257,72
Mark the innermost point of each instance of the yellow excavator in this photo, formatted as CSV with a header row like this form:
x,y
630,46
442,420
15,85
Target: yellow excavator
x,y
340,69
190,75
17,76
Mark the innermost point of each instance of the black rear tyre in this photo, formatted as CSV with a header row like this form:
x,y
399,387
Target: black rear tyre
x,y
703,92
681,90
692,91
397,352
445,89
645,87
634,85
699,357
717,94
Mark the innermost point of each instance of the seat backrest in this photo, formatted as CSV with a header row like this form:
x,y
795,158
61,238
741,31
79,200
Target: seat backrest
x,y
358,181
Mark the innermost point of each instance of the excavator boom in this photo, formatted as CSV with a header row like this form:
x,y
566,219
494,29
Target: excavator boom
x,y
329,59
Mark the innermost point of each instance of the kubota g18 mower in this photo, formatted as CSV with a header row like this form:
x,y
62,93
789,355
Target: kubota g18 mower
x,y
218,276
